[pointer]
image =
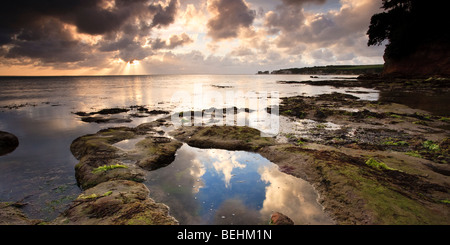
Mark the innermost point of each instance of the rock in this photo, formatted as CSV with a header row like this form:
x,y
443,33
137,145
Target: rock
x,y
88,175
105,116
158,152
156,112
111,111
427,60
119,202
97,150
223,137
12,215
103,119
8,143
100,144
280,219
110,178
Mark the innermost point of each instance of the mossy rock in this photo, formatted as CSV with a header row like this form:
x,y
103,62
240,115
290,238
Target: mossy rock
x,y
369,192
157,152
223,137
87,177
119,202
101,142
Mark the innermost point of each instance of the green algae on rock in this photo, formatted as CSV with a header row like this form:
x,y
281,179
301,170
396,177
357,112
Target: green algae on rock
x,y
158,152
127,203
224,137
353,188
110,179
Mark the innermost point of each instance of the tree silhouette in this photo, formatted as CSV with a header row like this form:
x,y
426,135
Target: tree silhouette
x,y
407,25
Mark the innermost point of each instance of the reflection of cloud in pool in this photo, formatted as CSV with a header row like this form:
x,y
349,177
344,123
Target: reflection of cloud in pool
x,y
199,188
224,163
196,171
176,185
234,212
291,196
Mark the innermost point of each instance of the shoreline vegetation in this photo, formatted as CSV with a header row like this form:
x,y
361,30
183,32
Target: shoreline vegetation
x,y
385,163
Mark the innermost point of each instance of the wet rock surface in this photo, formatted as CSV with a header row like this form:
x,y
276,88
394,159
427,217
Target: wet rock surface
x,y
383,163
159,152
225,137
10,213
118,115
110,178
280,219
372,162
118,202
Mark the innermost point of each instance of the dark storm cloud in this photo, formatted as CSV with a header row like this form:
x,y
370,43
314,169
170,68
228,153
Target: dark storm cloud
x,y
40,29
23,14
231,16
48,42
164,16
110,46
126,48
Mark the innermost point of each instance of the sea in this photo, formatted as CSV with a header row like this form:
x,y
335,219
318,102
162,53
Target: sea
x,y
216,186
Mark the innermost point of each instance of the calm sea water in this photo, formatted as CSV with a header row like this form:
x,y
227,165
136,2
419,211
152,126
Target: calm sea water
x,y
39,111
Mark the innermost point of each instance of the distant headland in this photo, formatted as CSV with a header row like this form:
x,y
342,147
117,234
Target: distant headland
x,y
330,70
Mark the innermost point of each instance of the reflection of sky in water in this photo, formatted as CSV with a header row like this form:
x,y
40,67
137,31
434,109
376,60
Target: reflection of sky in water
x,y
211,186
41,170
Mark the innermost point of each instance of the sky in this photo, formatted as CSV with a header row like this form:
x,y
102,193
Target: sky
x,y
139,37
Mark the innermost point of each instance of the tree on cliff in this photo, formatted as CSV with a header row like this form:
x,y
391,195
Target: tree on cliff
x,y
408,25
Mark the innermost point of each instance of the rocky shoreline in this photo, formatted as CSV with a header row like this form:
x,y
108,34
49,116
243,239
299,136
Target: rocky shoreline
x,y
112,178
371,162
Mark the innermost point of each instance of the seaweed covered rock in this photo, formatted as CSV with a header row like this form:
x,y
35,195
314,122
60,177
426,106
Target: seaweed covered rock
x,y
158,152
225,137
119,202
91,171
101,142
99,158
10,214
110,177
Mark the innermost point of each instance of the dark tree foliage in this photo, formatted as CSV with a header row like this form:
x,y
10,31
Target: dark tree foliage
x,y
408,24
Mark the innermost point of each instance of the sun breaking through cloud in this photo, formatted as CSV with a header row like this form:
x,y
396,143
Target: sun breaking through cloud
x,y
98,37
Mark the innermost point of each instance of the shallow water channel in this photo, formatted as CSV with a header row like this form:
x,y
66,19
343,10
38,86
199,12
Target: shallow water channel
x,y
212,186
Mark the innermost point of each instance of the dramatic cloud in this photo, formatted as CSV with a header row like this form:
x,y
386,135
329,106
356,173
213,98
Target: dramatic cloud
x,y
189,36
173,42
50,42
229,17
328,35
164,16
41,29
288,16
